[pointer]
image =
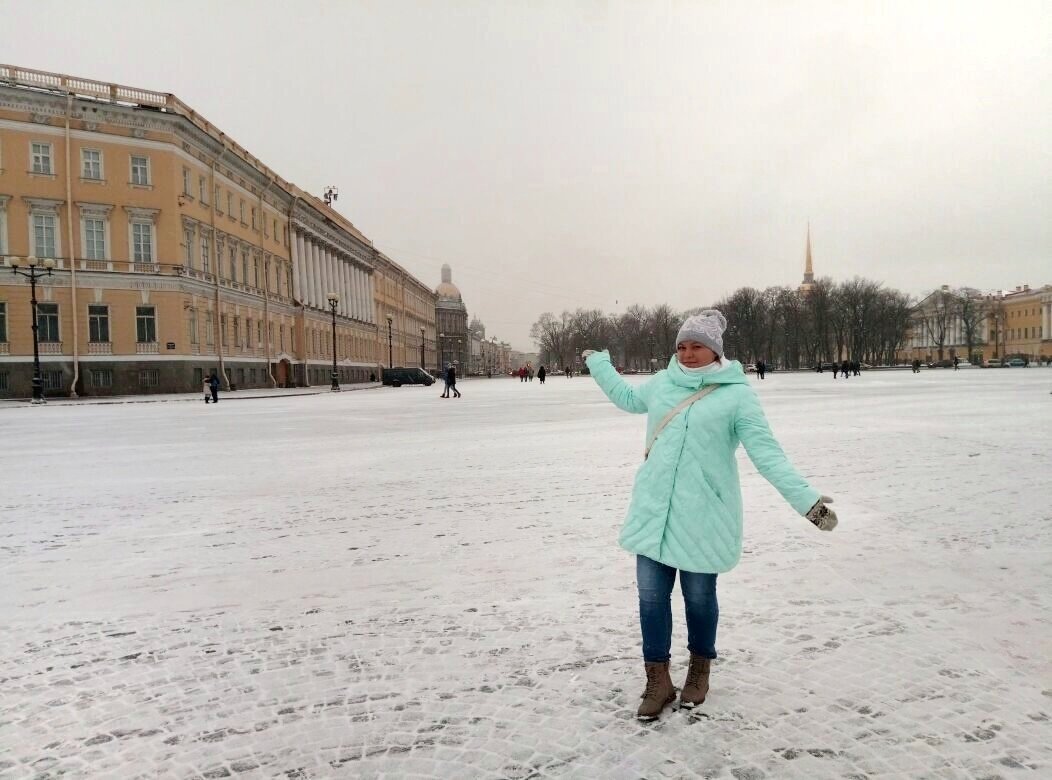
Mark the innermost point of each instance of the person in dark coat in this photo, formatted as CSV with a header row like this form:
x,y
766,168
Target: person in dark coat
x,y
761,368
541,374
451,382
845,369
213,385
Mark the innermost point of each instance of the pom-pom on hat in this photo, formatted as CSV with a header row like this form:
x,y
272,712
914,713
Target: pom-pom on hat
x,y
706,328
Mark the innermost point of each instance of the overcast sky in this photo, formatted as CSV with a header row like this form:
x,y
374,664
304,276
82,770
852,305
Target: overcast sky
x,y
562,154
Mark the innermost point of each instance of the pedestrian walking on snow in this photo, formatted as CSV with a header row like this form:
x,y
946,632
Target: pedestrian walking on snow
x,y
213,386
845,369
451,381
761,368
541,374
685,516
207,386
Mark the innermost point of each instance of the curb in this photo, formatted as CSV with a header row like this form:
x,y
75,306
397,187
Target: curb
x,y
12,403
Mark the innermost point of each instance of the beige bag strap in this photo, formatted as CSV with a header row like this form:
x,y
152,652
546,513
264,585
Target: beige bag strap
x,y
675,411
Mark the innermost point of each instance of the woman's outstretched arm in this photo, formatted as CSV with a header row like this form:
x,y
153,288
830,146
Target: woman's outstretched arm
x,y
766,454
611,383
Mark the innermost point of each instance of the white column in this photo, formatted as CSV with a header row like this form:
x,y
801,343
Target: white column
x,y
357,282
363,296
319,282
369,299
295,291
348,275
308,272
329,270
344,289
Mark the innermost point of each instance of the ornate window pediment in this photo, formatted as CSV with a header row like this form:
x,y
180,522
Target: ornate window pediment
x,y
43,205
136,212
95,209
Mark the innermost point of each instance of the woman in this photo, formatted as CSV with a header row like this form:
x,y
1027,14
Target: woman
x,y
686,509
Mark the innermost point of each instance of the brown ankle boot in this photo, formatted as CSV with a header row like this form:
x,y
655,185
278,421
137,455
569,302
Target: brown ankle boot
x,y
659,693
696,688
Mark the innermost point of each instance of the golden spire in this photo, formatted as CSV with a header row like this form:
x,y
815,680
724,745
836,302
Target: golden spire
x,y
809,271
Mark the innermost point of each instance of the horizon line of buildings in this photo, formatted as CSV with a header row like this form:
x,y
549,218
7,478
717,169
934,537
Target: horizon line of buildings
x,y
178,253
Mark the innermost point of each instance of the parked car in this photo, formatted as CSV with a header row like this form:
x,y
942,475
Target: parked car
x,y
396,377
1017,362
750,368
995,363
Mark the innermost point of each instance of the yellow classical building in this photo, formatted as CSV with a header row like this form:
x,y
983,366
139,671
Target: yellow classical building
x,y
176,254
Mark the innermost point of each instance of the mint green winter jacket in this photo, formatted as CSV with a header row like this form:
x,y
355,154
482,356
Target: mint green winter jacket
x,y
686,509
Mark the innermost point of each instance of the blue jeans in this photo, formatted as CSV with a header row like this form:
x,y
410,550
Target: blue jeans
x,y
654,581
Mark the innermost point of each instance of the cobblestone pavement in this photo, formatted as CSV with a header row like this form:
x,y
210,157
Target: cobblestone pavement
x,y
387,584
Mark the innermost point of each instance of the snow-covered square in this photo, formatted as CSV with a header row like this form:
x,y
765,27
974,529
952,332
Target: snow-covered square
x,y
386,583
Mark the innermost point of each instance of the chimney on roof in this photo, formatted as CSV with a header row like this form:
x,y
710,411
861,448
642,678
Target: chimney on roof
x,y
946,288
1026,288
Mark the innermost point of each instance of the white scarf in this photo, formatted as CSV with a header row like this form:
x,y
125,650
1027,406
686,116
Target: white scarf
x,y
711,368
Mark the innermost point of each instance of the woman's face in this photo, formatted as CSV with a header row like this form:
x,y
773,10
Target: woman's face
x,y
691,354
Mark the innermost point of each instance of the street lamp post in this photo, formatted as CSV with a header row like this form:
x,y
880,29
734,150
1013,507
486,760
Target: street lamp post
x,y
422,348
32,274
441,353
390,343
334,301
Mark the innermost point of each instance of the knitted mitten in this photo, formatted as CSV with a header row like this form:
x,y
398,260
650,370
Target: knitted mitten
x,y
823,518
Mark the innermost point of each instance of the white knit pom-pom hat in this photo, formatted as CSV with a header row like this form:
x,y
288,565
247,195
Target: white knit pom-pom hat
x,y
706,328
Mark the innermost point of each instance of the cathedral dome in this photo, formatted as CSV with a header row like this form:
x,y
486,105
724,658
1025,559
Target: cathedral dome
x,y
447,289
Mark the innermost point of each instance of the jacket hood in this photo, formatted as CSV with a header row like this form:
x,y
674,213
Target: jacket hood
x,y
731,374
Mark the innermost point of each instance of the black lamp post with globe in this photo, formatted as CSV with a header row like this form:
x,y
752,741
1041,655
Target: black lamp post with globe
x,y
334,302
32,272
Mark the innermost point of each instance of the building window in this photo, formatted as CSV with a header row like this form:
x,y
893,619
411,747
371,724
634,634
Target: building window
x,y
186,182
255,224
233,264
101,377
237,331
230,204
149,377
91,164
281,333
3,381
244,267
94,238
47,323
145,324
206,255
202,190
52,380
99,324
192,322
140,170
3,322
142,242
41,155
45,243
210,338
259,334
218,199
255,272
222,329
242,211
188,248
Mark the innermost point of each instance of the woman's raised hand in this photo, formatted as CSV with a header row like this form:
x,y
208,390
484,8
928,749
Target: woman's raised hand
x,y
588,352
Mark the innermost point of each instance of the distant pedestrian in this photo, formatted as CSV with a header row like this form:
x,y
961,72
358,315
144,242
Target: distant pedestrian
x,y
451,381
568,372
206,384
916,365
856,368
845,369
213,386
529,372
761,368
836,368
685,518
956,363
541,374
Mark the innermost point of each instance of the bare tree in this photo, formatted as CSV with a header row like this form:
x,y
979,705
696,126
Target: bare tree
x,y
971,310
937,312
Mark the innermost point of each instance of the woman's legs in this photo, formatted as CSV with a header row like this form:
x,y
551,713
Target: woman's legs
x,y
703,612
654,581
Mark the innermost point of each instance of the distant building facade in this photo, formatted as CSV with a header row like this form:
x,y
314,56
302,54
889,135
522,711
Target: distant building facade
x,y
451,322
1006,323
178,253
